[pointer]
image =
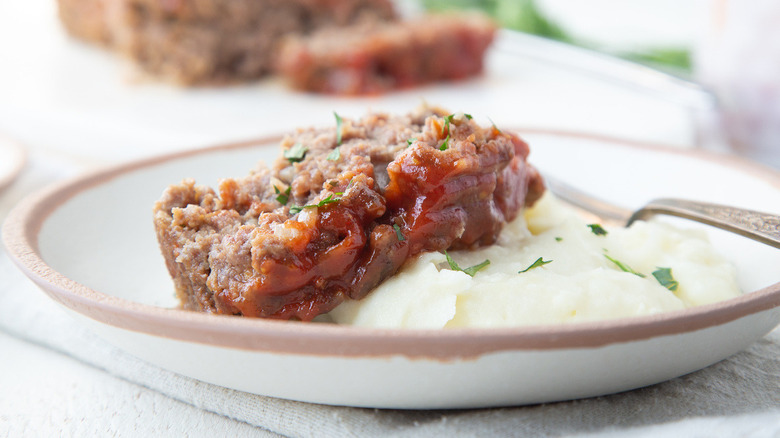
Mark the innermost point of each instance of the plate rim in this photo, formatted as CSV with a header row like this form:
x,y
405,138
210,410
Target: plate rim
x,y
24,222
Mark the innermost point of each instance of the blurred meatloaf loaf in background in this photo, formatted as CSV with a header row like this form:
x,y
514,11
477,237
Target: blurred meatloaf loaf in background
x,y
340,211
209,41
370,58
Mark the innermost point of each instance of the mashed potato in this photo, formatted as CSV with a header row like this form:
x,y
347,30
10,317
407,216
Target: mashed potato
x,y
578,282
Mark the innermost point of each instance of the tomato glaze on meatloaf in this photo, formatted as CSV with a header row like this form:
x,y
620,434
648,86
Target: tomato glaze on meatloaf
x,y
372,58
340,211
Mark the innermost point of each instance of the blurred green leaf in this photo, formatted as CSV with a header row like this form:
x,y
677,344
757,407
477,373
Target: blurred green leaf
x,y
522,15
677,59
526,16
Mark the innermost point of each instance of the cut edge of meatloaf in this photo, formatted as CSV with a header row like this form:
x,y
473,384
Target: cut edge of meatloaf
x,y
374,58
317,227
208,42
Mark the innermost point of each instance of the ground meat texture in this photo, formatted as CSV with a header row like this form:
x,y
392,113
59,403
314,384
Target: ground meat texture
x,y
294,240
370,59
195,42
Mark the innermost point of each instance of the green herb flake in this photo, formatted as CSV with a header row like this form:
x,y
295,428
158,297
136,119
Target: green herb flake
x,y
329,200
283,197
539,262
296,152
597,229
470,271
398,233
334,155
623,267
447,121
559,239
295,209
339,121
410,141
446,127
444,146
664,276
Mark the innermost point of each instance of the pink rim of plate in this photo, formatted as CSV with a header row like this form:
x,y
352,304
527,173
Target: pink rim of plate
x,y
20,234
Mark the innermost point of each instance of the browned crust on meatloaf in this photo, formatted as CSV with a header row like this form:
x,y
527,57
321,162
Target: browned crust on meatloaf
x,y
251,13
195,42
294,240
375,58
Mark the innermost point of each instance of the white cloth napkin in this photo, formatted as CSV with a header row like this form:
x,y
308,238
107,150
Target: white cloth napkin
x,y
739,396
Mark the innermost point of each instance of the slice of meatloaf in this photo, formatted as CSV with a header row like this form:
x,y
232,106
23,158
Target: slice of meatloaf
x,y
340,211
371,58
209,41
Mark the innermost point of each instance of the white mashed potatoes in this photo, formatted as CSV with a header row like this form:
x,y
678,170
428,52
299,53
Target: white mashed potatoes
x,y
578,284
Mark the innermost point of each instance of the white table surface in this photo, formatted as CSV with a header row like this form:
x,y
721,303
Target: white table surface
x,y
76,107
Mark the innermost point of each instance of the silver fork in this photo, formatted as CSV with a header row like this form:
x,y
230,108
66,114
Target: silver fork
x,y
762,227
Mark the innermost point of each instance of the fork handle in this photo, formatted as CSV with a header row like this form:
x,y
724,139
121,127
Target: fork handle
x,y
763,227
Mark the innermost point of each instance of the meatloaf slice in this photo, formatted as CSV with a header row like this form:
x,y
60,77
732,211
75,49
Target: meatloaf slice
x,y
371,58
340,211
195,42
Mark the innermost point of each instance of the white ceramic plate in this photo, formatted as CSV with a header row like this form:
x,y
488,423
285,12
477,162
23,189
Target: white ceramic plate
x,y
89,243
12,159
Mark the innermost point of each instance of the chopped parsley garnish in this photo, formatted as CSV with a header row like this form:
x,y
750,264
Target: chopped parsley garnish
x,y
623,267
338,128
539,262
446,128
329,200
398,233
334,155
296,152
471,270
410,141
664,276
597,229
445,145
283,196
559,239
